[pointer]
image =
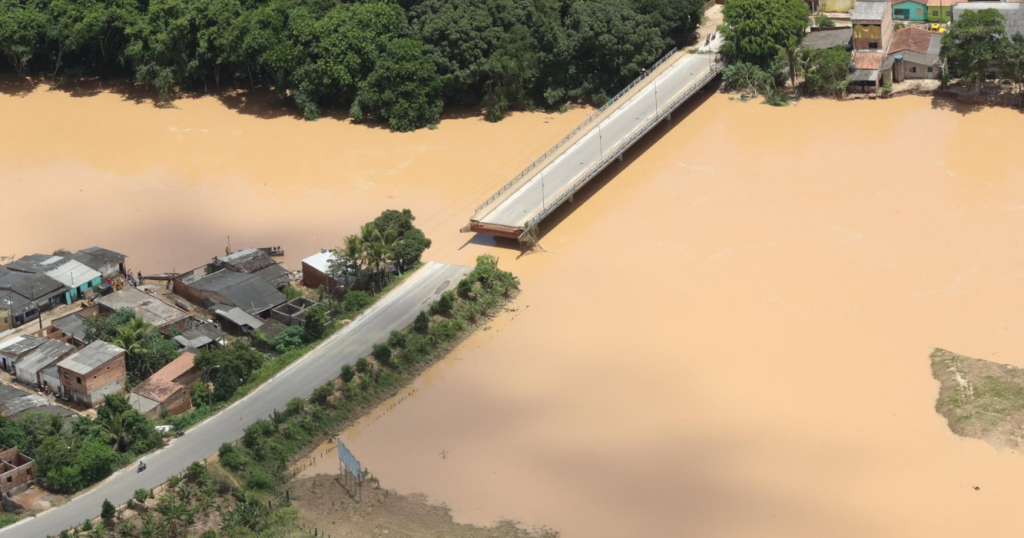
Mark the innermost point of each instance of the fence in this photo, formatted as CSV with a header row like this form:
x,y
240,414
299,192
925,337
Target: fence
x,y
533,164
638,133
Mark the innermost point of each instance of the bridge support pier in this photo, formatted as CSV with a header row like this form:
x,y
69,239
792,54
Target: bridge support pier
x,y
619,157
668,117
570,198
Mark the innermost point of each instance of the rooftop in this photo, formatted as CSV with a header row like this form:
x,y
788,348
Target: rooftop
x,y
151,309
20,345
34,263
44,355
911,38
30,286
237,316
199,336
868,60
90,357
275,274
73,324
869,11
249,260
946,3
248,292
321,261
72,273
108,256
826,39
161,385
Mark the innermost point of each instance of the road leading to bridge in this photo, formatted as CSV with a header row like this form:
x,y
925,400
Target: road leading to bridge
x,y
395,311
556,178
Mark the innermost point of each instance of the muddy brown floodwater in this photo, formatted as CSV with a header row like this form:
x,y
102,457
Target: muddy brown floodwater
x,y
730,337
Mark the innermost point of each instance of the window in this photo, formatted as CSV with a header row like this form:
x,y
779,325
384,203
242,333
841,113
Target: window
x,y
873,45
931,70
94,377
65,375
10,479
935,13
78,379
913,70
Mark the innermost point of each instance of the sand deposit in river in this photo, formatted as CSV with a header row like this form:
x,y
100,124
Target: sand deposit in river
x,y
729,338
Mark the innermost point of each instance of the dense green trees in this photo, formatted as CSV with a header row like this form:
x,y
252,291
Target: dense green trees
x,y
756,30
395,62
826,71
973,43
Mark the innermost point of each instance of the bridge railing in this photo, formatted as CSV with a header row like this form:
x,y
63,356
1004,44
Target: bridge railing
x,y
533,164
637,133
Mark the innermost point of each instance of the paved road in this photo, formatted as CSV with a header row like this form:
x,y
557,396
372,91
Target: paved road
x,y
590,149
394,311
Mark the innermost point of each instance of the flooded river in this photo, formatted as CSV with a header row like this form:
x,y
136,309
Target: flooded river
x,y
729,337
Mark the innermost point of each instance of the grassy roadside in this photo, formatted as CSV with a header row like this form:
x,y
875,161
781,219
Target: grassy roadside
x,y
277,363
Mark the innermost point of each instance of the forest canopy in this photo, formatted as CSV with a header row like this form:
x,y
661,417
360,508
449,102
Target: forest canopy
x,y
398,62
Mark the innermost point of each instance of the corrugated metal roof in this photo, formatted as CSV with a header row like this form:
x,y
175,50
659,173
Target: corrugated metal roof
x,y
72,274
108,256
44,356
237,316
248,292
90,357
151,309
20,345
321,261
869,11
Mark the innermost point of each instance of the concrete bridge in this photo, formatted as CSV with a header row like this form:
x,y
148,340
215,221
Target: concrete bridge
x,y
554,177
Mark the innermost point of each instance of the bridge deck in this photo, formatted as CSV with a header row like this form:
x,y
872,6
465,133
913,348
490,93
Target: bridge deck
x,y
559,173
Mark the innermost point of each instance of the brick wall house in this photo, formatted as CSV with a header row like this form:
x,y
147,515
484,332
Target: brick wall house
x,y
91,374
168,391
17,471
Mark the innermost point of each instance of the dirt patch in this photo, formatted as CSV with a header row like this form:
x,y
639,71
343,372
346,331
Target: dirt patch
x,y
325,505
36,499
980,399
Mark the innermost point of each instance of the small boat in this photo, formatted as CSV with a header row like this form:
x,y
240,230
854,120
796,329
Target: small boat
x,y
273,251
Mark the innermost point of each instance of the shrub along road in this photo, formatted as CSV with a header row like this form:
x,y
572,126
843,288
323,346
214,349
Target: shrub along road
x,y
393,312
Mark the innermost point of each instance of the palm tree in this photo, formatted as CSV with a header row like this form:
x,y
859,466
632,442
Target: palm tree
x,y
792,50
151,529
174,512
117,432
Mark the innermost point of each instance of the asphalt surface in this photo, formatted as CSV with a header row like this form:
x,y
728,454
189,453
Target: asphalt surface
x,y
395,311
590,149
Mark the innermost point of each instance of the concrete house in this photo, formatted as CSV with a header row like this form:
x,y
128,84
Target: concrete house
x,y
913,54
168,391
150,308
109,263
17,471
27,368
868,68
910,10
14,349
91,374
872,25
316,273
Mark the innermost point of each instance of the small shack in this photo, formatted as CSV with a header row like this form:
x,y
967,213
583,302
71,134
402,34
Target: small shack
x,y
168,391
44,291
49,353
199,334
235,320
11,351
251,293
91,374
316,272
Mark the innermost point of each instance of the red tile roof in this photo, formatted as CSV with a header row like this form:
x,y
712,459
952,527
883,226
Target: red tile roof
x,y
161,385
868,60
911,38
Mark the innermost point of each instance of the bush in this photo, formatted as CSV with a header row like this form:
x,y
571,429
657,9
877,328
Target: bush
x,y
108,511
141,495
397,339
382,353
200,395
356,300
315,323
323,393
347,373
291,338
887,88
260,479
444,304
291,293
465,287
824,21
362,365
295,406
422,323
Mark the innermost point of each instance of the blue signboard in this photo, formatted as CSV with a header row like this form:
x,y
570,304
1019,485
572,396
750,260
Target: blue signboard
x,y
349,461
